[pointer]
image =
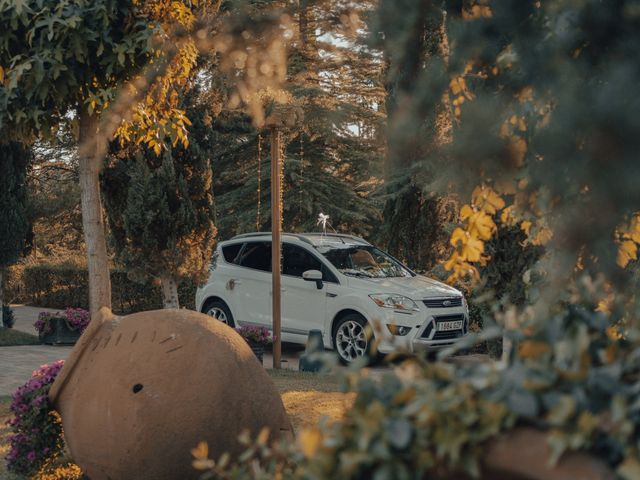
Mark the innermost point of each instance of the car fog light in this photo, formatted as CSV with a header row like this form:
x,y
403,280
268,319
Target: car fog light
x,y
399,331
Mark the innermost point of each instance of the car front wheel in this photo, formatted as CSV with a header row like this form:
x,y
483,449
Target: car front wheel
x,y
351,338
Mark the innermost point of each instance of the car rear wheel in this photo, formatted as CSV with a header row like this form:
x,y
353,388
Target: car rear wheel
x,y
220,311
352,338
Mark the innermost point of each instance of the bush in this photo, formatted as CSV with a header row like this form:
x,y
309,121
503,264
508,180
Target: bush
x,y
36,437
568,378
14,291
8,320
57,286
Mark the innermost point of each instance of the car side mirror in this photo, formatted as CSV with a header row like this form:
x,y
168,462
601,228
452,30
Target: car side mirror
x,y
313,276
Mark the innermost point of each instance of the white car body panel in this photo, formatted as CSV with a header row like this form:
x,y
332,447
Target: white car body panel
x,y
247,292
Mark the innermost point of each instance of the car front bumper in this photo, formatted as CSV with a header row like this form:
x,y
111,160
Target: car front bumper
x,y
424,335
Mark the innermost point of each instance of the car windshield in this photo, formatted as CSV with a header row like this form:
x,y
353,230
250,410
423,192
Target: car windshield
x,y
363,261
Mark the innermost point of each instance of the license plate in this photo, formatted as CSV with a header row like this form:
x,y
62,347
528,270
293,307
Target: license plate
x,y
447,326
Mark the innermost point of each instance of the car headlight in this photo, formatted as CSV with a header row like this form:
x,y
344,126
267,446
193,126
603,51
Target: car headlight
x,y
397,302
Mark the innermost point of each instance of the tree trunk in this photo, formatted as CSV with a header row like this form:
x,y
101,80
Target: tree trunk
x,y
169,292
92,218
1,299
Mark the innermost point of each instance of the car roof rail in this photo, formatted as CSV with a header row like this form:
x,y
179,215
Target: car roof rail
x,y
303,236
258,234
337,235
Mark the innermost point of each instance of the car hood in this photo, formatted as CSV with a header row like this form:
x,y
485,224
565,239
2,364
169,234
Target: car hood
x,y
416,288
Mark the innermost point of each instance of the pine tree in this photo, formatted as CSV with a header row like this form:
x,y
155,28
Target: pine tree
x,y
332,159
14,161
160,209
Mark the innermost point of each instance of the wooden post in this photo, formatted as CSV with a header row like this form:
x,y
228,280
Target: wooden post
x,y
275,245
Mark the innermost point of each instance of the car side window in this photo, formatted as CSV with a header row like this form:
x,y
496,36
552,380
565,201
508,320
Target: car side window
x,y
256,255
297,260
231,252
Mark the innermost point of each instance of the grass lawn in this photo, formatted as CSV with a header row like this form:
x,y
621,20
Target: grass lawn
x,y
306,396
11,338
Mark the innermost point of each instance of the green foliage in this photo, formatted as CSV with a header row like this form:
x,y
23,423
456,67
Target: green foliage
x,y
58,286
14,161
55,56
160,208
428,420
53,204
427,217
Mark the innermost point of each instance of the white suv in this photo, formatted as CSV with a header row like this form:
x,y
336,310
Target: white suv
x,y
337,284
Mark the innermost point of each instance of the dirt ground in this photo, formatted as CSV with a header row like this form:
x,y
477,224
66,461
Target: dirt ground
x,y
308,397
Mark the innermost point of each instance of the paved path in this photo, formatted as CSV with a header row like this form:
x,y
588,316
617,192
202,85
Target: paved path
x,y
26,316
17,363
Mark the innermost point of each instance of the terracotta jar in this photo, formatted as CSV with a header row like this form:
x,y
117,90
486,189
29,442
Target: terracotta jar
x,y
139,392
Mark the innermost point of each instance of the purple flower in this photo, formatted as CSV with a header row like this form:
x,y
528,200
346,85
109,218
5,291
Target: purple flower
x,y
76,318
254,334
36,434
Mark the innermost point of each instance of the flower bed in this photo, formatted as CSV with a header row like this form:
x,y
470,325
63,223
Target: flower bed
x,y
36,429
257,338
62,327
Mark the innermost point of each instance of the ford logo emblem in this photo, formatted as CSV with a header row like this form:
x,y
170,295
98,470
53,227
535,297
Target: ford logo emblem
x,y
446,303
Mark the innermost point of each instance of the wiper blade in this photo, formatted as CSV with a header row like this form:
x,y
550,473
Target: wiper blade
x,y
356,273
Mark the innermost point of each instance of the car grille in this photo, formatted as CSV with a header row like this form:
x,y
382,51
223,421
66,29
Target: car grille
x,y
448,334
443,302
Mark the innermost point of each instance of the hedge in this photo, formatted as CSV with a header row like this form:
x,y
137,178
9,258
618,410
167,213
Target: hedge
x,y
61,286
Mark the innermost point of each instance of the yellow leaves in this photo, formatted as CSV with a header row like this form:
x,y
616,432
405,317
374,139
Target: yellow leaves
x,y
458,235
634,229
628,238
457,85
1,74
525,95
263,436
310,440
201,451
487,200
460,93
469,240
201,457
627,251
478,10
470,247
481,225
473,250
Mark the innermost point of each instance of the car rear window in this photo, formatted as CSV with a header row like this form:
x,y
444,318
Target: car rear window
x,y
256,255
230,252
